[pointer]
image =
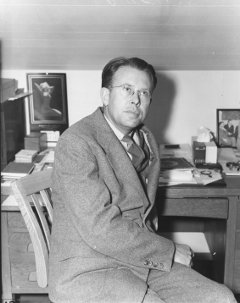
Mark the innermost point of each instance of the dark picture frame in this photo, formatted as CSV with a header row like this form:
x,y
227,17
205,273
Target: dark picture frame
x,y
228,127
47,107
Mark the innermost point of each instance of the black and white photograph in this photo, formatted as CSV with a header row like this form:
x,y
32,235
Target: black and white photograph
x,y
48,102
228,127
132,109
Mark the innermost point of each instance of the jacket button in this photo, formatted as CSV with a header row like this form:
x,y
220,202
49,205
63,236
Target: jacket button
x,y
150,263
155,265
146,262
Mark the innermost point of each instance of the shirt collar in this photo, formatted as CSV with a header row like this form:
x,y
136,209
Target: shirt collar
x,y
116,131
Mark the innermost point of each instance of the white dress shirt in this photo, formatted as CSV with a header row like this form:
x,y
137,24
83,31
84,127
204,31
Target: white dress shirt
x,y
120,135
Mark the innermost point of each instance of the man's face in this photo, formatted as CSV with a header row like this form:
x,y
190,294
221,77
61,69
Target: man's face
x,y
126,113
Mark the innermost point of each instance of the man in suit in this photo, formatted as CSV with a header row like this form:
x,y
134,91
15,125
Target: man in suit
x,y
104,246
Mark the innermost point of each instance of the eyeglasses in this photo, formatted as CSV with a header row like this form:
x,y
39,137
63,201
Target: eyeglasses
x,y
206,173
128,91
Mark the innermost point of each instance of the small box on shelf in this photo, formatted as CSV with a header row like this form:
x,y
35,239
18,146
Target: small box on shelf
x,y
35,141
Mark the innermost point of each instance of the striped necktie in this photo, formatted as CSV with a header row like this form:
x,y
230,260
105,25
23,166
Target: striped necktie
x,y
140,154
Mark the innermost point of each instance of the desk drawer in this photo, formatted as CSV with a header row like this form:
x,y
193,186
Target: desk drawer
x,y
193,207
15,221
238,216
22,260
236,276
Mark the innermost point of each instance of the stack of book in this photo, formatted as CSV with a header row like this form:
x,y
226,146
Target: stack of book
x,y
51,138
13,171
17,170
25,156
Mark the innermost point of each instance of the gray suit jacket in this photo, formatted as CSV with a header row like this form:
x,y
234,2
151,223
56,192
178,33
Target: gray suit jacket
x,y
103,220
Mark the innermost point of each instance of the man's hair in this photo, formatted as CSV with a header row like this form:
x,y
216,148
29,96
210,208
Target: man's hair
x,y
112,66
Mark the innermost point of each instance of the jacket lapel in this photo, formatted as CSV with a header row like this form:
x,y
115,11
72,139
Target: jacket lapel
x,y
116,154
153,175
120,161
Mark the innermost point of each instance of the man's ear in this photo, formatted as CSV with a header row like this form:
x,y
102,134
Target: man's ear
x,y
104,93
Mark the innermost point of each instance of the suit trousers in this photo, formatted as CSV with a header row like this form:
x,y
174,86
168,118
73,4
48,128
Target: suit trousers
x,y
124,285
184,285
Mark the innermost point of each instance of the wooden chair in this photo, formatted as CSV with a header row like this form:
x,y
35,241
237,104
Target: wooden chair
x,y
33,195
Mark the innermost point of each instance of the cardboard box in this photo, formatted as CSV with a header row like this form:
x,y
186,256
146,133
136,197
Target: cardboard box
x,y
211,152
35,141
204,152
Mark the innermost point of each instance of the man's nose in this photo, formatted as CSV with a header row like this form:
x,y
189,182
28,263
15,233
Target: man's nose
x,y
136,98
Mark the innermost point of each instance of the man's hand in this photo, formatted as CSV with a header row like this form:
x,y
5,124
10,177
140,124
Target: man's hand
x,y
183,254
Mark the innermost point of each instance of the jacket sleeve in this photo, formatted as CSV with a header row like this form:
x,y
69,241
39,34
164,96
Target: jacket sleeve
x,y
98,219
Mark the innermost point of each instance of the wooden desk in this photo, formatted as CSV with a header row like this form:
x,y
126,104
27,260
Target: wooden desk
x,y
217,208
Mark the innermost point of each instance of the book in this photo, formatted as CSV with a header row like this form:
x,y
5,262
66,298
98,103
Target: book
x,y
25,155
171,163
176,170
17,169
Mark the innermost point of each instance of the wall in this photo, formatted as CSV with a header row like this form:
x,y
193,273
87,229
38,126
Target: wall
x,y
186,100
182,102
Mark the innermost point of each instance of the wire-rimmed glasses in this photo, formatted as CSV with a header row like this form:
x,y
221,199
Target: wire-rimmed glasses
x,y
128,91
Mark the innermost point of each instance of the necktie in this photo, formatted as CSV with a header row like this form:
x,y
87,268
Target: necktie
x,y
140,154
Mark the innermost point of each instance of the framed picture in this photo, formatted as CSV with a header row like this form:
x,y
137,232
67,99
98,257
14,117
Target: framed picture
x,y
47,106
228,127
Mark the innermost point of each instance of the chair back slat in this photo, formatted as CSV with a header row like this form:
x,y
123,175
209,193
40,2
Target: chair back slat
x,y
47,202
42,218
35,212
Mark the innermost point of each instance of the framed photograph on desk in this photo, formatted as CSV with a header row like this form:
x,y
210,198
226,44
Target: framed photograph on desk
x,y
47,106
228,128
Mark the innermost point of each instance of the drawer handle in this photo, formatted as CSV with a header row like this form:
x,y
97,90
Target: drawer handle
x,y
30,247
32,276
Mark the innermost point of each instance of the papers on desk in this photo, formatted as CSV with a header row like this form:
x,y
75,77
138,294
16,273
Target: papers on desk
x,y
10,201
46,159
207,176
189,176
178,170
176,177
